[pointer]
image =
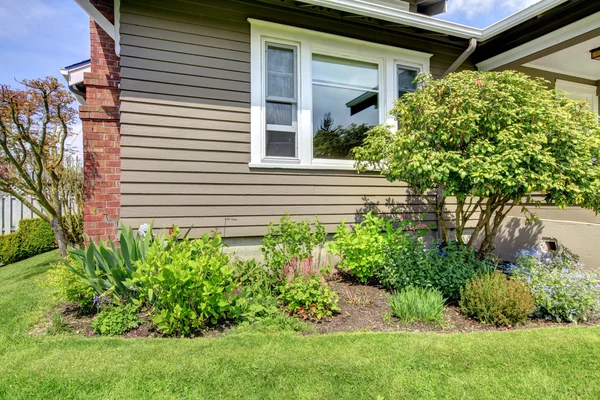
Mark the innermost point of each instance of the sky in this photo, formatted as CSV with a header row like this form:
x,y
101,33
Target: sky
x,y
39,37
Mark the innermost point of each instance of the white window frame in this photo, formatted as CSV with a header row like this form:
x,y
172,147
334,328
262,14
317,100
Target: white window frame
x,y
307,42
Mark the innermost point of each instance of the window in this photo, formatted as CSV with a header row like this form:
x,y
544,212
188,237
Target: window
x,y
317,94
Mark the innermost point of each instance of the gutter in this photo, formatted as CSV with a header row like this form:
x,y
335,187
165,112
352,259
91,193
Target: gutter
x,y
461,59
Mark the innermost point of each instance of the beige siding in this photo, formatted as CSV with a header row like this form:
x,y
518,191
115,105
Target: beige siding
x,y
185,115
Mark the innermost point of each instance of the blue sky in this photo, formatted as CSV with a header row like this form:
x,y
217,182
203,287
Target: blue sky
x,y
482,13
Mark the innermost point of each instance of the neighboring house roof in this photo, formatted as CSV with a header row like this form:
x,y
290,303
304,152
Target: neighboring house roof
x,y
73,74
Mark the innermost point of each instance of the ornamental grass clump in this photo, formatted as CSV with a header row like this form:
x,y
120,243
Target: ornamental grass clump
x,y
564,291
415,304
492,298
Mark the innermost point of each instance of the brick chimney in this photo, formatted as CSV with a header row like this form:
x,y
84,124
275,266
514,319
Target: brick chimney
x,y
101,133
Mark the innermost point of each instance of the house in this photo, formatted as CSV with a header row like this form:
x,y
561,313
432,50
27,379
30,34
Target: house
x,y
222,114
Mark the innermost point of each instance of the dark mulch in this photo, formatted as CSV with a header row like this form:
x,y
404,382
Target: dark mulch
x,y
363,308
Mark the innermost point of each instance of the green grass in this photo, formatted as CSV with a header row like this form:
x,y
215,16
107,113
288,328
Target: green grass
x,y
536,364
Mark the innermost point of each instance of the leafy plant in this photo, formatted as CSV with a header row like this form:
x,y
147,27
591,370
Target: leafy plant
x,y
291,240
308,296
70,287
116,320
417,305
34,236
492,298
488,139
109,269
563,289
188,283
446,268
58,325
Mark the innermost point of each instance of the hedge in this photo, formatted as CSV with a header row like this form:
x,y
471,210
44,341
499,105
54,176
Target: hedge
x,y
34,236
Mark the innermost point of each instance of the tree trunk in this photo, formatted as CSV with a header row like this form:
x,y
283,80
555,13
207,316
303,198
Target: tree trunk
x,y
59,235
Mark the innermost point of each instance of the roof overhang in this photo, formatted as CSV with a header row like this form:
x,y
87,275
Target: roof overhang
x,y
386,11
574,32
74,75
111,29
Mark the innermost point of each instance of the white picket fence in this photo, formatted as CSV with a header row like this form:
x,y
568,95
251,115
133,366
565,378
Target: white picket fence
x,y
12,212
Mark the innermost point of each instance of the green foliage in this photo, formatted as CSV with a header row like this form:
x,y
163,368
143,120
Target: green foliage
x,y
34,236
362,249
365,250
116,320
308,296
188,283
417,305
492,298
58,325
292,241
490,139
564,290
108,268
410,263
256,300
70,287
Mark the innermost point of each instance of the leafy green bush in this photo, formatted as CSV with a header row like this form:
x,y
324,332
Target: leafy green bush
x,y
308,296
116,320
291,241
255,285
70,287
108,268
37,236
34,236
10,248
188,283
563,289
492,298
362,249
417,305
447,269
291,272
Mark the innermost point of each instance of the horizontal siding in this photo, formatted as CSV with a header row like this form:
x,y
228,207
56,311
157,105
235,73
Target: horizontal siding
x,y
185,124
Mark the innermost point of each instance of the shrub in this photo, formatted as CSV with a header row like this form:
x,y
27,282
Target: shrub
x,y
446,268
492,298
291,271
116,320
37,236
308,296
417,305
291,240
188,283
108,269
362,249
365,249
34,236
563,289
70,287
10,248
256,299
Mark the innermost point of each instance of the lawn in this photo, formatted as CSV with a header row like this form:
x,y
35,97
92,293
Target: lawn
x,y
532,364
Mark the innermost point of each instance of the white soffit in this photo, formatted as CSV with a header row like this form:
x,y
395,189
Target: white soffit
x,y
558,36
573,61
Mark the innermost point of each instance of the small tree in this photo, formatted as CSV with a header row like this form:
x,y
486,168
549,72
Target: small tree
x,y
491,140
35,122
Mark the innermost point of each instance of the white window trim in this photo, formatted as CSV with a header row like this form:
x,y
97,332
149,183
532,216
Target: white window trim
x,y
579,89
309,42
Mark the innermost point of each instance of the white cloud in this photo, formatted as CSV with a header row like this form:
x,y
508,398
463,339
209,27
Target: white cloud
x,y
473,10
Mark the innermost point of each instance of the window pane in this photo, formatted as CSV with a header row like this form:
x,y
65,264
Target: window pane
x,y
348,73
280,113
281,144
280,72
341,118
405,81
